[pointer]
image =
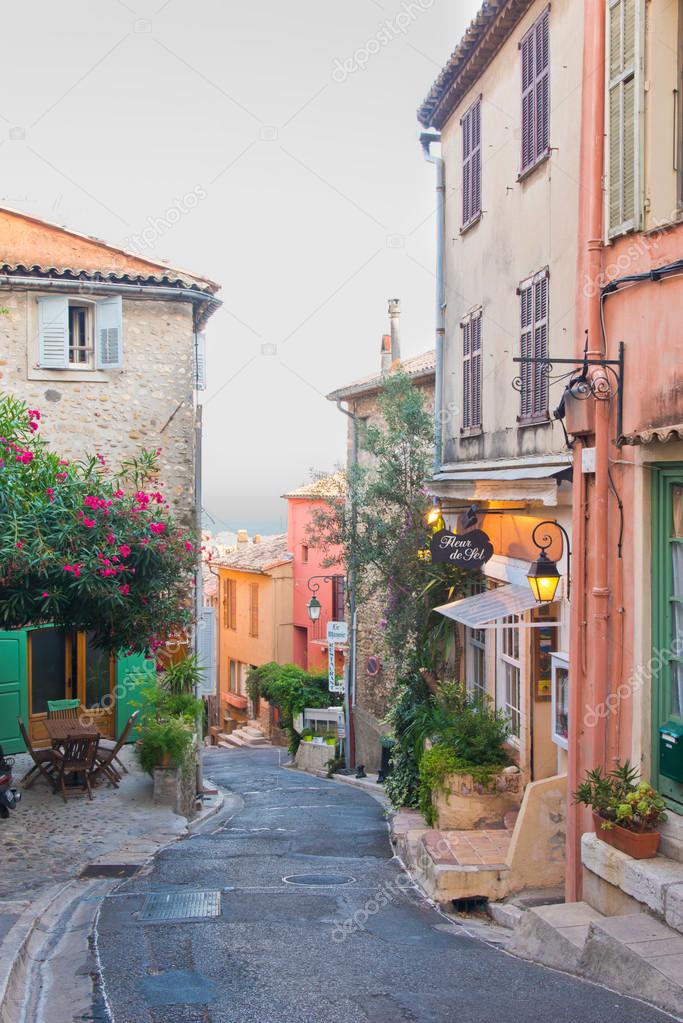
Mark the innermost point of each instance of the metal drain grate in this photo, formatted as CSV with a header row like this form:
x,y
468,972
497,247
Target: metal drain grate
x,y
160,907
320,880
110,870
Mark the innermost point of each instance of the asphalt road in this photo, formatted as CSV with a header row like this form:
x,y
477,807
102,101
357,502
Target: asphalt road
x,y
371,950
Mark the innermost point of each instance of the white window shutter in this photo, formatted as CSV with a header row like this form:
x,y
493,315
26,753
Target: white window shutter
x,y
109,333
623,113
200,361
53,330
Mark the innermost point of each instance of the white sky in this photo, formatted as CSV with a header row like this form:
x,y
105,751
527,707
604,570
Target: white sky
x,y
316,203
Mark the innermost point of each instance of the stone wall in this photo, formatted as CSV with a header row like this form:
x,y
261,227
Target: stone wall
x,y
176,787
146,404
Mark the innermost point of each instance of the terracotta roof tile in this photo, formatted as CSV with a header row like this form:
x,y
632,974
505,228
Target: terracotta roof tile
x,y
420,366
257,557
328,486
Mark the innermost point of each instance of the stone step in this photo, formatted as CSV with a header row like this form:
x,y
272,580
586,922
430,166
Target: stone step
x,y
252,730
633,954
655,884
463,864
231,740
247,739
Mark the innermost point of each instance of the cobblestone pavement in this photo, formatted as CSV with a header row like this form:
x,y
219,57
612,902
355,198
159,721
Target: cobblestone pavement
x,y
45,841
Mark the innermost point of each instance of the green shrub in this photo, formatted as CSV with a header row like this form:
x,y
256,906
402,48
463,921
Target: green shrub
x,y
435,766
620,798
183,677
161,738
291,689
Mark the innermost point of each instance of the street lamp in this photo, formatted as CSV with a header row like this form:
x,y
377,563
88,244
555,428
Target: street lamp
x,y
314,608
543,574
434,517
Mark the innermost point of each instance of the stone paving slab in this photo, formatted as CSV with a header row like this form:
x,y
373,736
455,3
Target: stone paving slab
x,y
46,841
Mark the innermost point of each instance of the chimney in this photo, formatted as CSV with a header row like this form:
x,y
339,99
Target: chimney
x,y
386,353
242,537
395,324
258,538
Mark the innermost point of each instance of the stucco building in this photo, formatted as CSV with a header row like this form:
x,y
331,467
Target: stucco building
x,y
373,678
506,265
109,346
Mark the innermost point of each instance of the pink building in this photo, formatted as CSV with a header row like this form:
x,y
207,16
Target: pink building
x,y
312,565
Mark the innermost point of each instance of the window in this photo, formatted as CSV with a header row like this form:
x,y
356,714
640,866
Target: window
x,y
230,604
560,699
81,348
200,361
304,553
233,681
535,51
253,609
471,164
534,295
79,335
471,372
338,598
622,115
476,662
509,672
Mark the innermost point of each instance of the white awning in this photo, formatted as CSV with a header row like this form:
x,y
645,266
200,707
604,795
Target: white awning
x,y
479,611
537,483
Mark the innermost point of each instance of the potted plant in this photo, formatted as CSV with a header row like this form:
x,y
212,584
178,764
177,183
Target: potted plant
x,y
164,744
626,811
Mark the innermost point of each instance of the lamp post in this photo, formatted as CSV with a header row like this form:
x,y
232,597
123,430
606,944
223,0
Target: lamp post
x,y
543,574
314,607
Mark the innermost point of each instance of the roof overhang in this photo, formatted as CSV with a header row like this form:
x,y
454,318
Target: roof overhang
x,y
484,610
655,433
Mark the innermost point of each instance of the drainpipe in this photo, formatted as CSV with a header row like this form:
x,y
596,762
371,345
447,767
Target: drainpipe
x,y
590,688
426,140
350,694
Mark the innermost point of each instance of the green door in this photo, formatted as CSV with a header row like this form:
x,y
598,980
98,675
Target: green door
x,y
132,672
667,616
13,689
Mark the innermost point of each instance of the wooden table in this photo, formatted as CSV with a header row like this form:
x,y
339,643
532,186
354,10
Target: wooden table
x,y
61,729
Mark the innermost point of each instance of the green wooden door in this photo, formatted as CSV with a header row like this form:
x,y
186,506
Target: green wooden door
x,y
667,614
132,671
13,689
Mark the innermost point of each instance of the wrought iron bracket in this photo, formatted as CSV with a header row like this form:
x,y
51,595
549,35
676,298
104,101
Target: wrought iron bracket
x,y
315,586
547,540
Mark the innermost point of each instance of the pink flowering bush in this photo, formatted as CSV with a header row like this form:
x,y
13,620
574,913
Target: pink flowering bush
x,y
85,547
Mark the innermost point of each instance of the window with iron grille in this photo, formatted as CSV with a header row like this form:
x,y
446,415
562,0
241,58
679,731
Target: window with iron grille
x,y
471,372
623,87
535,53
471,164
230,604
253,609
533,300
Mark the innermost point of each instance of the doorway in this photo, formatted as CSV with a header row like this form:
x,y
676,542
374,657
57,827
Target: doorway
x,y
66,665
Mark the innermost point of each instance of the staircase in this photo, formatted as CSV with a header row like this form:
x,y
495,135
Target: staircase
x,y
250,735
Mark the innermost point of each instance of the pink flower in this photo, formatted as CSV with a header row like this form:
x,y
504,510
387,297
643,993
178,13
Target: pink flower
x,y
50,493
125,589
33,413
157,527
88,523
61,476
118,494
188,546
124,550
33,426
74,569
110,538
63,461
20,544
45,594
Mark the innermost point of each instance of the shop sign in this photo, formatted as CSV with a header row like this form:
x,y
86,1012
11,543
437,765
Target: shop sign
x,y
464,550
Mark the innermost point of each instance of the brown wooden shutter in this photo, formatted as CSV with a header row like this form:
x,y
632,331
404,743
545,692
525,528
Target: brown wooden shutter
x,y
528,81
466,374
230,604
535,53
471,163
253,609
526,349
540,374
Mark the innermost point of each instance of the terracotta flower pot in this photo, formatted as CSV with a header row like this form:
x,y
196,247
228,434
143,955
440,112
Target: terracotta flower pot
x,y
641,845
164,760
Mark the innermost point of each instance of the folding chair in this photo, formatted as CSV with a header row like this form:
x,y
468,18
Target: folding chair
x,y
44,760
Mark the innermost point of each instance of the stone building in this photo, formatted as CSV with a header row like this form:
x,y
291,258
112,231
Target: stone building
x,y
373,679
108,345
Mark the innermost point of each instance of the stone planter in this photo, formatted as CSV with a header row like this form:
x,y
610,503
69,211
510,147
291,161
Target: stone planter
x,y
176,787
312,756
467,804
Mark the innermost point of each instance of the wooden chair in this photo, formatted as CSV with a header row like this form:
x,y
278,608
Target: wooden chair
x,y
108,753
78,758
44,761
63,708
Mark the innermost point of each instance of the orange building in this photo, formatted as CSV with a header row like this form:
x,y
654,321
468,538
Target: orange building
x,y
255,618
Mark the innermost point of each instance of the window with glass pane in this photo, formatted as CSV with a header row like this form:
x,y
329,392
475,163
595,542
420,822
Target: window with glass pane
x,y
509,672
476,662
48,667
97,674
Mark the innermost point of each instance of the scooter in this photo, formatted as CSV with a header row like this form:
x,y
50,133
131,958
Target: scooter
x,y
9,797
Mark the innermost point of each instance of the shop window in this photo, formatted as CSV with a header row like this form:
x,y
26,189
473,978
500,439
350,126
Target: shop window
x,y
560,695
476,662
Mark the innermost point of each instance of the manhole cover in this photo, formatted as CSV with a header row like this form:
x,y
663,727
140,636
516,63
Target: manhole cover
x,y
159,907
319,880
